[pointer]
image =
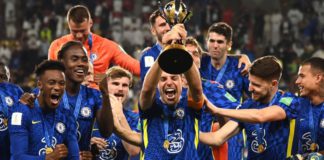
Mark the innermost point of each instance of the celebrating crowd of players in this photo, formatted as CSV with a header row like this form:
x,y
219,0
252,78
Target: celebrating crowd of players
x,y
77,110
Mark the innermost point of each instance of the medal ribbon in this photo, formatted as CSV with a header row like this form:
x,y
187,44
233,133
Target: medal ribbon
x,y
259,126
78,103
48,133
90,42
165,123
221,72
4,104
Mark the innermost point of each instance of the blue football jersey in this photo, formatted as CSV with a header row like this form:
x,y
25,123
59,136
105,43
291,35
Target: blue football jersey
x,y
28,128
218,96
273,136
309,125
115,149
9,96
235,84
179,126
148,58
90,103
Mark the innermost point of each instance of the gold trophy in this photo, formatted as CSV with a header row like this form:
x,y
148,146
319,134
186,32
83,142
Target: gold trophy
x,y
174,58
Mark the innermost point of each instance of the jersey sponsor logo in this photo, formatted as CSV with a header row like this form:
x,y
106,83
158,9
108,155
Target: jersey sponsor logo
x,y
109,153
322,123
255,143
9,101
306,141
3,125
36,122
148,61
93,57
60,127
229,84
16,118
176,142
42,151
86,112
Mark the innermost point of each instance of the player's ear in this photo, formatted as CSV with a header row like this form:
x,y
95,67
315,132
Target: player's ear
x,y
39,84
274,83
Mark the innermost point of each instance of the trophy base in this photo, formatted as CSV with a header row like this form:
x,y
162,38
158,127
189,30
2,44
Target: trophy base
x,y
174,59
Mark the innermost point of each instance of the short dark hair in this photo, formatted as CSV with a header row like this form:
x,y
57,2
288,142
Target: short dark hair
x,y
66,46
154,16
316,63
48,65
267,68
78,14
221,28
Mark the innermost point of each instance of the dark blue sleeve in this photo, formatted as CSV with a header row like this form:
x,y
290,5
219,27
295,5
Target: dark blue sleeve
x,y
291,104
71,139
18,130
218,96
144,68
98,100
20,91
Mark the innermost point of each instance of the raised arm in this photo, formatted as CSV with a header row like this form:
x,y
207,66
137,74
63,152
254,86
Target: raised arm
x,y
104,115
149,86
268,114
217,138
131,139
194,83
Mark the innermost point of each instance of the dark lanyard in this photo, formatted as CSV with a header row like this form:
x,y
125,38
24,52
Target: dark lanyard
x,y
4,104
78,103
313,126
259,126
48,133
221,72
165,122
90,42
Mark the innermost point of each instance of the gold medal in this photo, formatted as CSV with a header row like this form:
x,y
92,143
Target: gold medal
x,y
5,121
260,148
49,150
313,147
166,144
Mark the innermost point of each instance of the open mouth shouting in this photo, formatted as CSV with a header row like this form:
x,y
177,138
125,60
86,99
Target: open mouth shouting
x,y
170,94
55,98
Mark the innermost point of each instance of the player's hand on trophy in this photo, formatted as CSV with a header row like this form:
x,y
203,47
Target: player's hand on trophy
x,y
178,32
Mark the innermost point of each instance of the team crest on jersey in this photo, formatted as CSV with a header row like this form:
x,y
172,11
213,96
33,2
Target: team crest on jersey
x,y
60,127
322,123
93,56
86,112
179,113
109,153
176,142
3,125
229,84
9,101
